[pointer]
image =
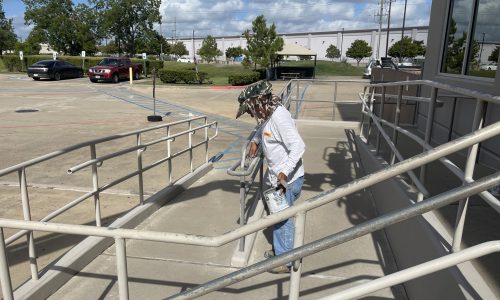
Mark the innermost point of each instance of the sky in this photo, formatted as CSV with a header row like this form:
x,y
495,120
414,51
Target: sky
x,y
233,17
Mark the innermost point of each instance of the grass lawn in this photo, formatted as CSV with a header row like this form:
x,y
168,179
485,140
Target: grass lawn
x,y
219,73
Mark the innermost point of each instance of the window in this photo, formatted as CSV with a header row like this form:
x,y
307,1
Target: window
x,y
472,56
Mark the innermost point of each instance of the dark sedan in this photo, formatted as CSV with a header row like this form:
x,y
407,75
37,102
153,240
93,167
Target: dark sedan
x,y
54,69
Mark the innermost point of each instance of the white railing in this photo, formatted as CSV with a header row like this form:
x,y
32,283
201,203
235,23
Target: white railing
x,y
470,187
193,124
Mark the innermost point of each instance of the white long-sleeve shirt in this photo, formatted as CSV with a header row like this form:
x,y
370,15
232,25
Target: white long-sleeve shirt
x,y
282,146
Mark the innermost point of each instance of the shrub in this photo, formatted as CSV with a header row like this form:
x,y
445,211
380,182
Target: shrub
x,y
13,63
182,75
243,78
262,73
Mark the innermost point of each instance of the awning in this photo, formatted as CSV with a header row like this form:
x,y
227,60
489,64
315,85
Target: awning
x,y
294,49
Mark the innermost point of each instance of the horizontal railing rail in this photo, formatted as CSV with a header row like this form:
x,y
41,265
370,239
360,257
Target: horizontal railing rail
x,y
417,271
97,161
88,143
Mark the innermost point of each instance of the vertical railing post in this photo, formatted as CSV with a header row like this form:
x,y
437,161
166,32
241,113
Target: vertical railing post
x,y
362,126
242,211
4,270
370,121
169,154
139,170
95,184
206,140
296,270
468,174
397,114
121,268
381,116
428,128
334,100
190,139
27,216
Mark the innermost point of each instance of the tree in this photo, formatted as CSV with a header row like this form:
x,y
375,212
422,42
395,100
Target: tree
x,y
8,38
129,21
494,55
153,43
67,28
332,52
359,49
31,45
233,52
262,43
208,50
410,48
178,49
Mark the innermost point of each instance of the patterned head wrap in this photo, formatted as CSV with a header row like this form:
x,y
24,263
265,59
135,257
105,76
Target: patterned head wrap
x,y
258,98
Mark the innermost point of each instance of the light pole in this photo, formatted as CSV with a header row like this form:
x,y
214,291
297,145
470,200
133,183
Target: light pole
x,y
481,50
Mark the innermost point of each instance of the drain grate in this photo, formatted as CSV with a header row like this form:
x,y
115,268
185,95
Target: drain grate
x,y
26,110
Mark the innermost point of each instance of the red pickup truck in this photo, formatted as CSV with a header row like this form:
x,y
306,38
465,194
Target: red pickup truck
x,y
114,69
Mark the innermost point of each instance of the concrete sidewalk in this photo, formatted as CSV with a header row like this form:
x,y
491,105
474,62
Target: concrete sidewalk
x,y
211,207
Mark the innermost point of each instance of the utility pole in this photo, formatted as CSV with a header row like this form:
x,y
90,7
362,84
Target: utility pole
x,y
388,27
380,15
174,33
481,51
161,41
402,34
341,43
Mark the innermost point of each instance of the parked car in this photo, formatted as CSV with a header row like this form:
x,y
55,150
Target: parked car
x,y
384,63
490,66
54,69
114,69
184,60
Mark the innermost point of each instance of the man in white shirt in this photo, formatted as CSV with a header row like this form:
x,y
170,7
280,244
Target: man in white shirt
x,y
283,149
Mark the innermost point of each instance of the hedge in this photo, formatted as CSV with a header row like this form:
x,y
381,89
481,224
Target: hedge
x,y
243,78
14,64
180,75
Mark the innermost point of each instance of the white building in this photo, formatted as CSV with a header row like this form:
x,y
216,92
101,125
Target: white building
x,y
320,41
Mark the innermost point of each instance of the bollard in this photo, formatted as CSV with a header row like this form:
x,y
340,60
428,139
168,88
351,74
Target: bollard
x,y
130,75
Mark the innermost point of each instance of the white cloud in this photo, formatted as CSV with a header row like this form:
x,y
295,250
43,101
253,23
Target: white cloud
x,y
235,16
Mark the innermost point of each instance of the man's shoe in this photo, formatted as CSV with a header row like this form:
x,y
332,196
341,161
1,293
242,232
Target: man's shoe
x,y
269,253
280,270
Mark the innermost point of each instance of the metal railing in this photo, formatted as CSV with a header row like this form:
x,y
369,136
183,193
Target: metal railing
x,y
309,204
294,93
470,187
193,124
466,176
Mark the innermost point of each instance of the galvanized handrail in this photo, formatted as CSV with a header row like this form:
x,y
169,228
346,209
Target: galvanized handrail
x,y
88,143
469,188
417,271
97,161
300,252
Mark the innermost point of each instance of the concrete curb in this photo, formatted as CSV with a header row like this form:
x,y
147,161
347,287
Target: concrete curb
x,y
57,274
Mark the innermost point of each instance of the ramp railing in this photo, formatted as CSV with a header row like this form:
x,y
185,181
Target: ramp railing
x,y
469,188
165,131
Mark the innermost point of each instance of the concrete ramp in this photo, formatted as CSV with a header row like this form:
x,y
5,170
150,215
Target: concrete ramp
x,y
211,207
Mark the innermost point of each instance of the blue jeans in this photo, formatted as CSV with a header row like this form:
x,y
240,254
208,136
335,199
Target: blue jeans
x,y
283,233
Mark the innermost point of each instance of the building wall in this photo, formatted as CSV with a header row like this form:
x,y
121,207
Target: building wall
x,y
320,41
463,113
